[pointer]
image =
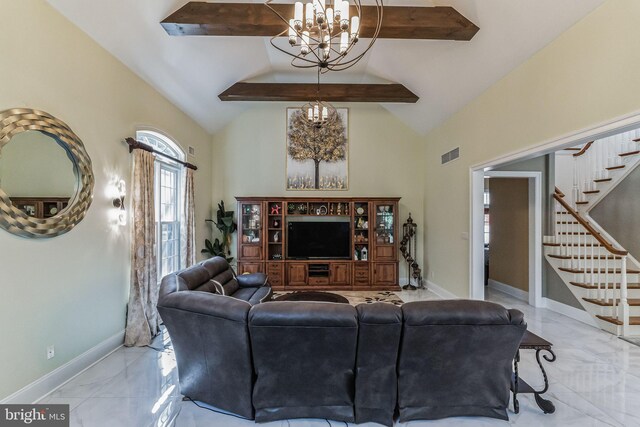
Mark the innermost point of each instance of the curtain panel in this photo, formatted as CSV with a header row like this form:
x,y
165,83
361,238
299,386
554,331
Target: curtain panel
x,y
142,316
189,221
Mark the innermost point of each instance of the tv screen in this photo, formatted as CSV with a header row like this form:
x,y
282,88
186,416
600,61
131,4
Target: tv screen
x,y
328,240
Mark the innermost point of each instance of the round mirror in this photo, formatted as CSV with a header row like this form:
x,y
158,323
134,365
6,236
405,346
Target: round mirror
x,y
37,173
46,179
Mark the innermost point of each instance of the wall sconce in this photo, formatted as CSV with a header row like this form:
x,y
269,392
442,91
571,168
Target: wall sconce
x,y
120,191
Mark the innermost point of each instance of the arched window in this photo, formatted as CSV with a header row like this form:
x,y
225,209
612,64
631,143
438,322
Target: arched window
x,y
169,194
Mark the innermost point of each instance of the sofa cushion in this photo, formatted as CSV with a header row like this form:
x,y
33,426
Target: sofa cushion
x,y
380,326
456,359
304,357
244,294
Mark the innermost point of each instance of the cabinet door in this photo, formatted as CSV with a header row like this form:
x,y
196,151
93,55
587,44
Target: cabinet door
x,y
384,231
384,273
340,274
296,274
250,267
250,231
251,251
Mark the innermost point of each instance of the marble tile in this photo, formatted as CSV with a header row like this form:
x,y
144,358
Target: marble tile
x,y
87,383
594,382
126,412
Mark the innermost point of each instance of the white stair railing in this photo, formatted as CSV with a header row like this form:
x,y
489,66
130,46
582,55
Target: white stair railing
x,y
593,159
596,268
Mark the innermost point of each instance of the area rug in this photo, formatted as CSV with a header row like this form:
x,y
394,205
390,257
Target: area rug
x,y
360,297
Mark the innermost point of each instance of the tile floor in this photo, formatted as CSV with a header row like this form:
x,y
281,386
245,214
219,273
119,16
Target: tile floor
x,y
594,382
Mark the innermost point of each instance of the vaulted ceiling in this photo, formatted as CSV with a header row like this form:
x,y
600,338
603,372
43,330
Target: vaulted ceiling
x,y
192,70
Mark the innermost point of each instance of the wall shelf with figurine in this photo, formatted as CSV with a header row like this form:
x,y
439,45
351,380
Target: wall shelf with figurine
x,y
353,239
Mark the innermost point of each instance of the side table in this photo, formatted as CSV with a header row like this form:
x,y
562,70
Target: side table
x,y
531,341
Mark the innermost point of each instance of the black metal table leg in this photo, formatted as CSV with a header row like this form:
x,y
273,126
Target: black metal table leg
x,y
546,405
516,404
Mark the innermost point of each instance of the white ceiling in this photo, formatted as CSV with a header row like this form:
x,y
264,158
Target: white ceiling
x,y
446,75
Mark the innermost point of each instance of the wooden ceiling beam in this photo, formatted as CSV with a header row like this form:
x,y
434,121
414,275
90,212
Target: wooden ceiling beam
x,y
255,19
331,92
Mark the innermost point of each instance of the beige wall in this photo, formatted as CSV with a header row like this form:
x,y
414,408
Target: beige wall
x,y
586,76
509,232
71,291
385,159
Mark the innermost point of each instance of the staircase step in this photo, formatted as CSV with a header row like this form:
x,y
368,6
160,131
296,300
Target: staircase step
x,y
584,202
596,270
611,257
609,285
633,302
575,233
591,192
629,153
603,180
595,245
550,244
612,168
633,320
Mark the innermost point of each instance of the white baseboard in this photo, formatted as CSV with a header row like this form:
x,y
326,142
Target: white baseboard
x,y
572,312
509,290
63,374
440,291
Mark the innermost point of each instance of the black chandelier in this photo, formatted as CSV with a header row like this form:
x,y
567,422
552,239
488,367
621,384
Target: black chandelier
x,y
323,32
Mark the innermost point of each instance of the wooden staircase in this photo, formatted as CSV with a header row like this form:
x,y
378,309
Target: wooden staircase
x,y
602,275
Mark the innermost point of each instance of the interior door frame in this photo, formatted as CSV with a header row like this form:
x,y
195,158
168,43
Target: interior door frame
x,y
534,179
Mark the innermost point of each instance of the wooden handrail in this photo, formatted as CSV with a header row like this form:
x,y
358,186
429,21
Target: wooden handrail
x,y
608,246
584,149
559,193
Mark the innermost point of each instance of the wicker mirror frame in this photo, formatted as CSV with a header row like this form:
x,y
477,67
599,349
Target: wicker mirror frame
x,y
13,220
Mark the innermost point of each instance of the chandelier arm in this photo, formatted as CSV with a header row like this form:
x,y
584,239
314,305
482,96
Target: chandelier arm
x,y
340,62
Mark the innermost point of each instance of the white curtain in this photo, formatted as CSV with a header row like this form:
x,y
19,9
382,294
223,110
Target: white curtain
x,y
142,316
189,222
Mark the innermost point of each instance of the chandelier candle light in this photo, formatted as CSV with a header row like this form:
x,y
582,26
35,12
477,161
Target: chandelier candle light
x,y
318,112
323,32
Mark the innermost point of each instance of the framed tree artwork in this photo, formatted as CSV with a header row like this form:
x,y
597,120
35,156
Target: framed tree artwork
x,y
317,158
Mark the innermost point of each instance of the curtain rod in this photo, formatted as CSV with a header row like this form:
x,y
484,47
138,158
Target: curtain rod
x,y
137,145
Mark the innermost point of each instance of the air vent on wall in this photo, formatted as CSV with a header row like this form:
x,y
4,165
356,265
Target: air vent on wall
x,y
451,155
192,151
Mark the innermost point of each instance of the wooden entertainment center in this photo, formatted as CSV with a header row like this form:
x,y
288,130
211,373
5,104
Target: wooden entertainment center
x,y
372,263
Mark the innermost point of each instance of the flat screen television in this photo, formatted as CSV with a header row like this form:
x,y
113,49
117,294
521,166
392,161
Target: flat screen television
x,y
319,240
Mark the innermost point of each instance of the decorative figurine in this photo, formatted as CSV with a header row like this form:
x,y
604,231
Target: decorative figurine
x,y
339,208
275,210
363,254
276,237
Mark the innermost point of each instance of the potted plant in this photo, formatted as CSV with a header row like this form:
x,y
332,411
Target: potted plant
x,y
225,224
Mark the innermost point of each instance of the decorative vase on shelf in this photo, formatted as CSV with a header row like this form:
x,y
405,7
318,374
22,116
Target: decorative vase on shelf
x,y
276,237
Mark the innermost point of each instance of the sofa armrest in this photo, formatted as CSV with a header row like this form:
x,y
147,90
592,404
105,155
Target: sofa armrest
x,y
253,280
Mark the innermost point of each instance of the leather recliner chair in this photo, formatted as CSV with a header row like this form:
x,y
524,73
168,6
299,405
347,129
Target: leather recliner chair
x,y
456,359
209,331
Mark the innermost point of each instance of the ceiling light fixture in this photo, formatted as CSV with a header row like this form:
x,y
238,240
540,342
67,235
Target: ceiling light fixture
x,y
318,112
323,32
